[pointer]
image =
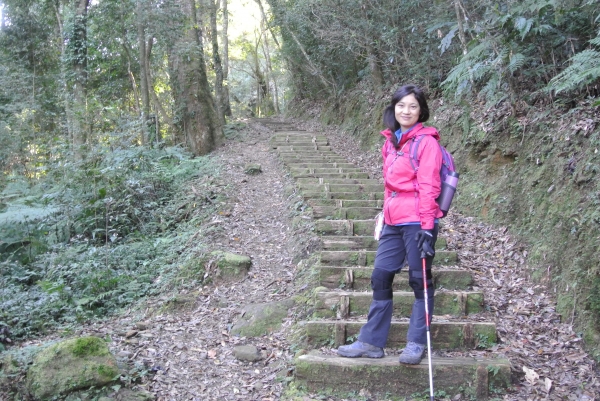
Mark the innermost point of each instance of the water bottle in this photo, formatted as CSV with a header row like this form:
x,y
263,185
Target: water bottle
x,y
447,193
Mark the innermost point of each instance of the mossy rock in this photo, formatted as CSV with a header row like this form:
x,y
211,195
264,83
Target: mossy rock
x,y
231,265
108,394
261,319
253,169
9,369
71,365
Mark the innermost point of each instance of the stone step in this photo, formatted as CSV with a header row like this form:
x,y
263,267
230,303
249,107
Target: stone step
x,y
357,278
307,164
444,335
297,135
307,182
344,242
273,121
325,173
336,213
346,227
366,258
344,304
343,227
373,187
307,194
336,173
346,203
300,144
472,378
298,140
302,147
312,156
285,129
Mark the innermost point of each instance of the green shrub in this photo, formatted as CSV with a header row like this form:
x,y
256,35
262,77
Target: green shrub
x,y
120,228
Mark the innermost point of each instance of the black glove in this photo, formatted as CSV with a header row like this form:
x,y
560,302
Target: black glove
x,y
424,240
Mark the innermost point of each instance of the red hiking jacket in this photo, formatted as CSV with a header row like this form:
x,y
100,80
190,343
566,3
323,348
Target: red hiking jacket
x,y
410,195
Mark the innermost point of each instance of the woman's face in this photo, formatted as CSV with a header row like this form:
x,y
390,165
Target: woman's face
x,y
407,111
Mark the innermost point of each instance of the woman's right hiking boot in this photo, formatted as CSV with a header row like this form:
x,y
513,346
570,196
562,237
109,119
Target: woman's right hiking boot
x,y
359,349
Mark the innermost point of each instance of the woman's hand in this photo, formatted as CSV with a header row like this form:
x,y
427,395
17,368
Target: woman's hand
x,y
424,240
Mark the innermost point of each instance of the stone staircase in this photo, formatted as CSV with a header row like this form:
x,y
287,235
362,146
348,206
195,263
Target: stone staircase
x,y
344,202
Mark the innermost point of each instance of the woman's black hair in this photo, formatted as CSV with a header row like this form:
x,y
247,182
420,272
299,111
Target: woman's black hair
x,y
389,115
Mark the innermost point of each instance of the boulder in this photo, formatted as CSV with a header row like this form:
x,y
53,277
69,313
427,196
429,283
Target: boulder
x,y
252,169
230,265
247,353
260,319
71,365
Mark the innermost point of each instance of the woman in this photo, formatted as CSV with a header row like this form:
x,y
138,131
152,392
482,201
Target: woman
x,y
410,229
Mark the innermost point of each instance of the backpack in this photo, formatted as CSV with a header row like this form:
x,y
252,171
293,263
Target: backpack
x,y
448,174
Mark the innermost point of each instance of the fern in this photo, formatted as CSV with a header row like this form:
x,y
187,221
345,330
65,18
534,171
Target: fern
x,y
447,40
501,57
584,69
523,25
492,92
473,66
517,61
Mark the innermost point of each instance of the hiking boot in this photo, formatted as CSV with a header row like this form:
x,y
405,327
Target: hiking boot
x,y
412,354
358,349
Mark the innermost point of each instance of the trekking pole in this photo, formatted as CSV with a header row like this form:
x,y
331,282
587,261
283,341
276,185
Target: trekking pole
x,y
431,398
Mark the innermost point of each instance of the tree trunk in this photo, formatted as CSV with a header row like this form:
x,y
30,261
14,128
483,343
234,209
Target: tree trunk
x,y
264,103
461,30
158,107
376,73
264,17
213,6
194,103
78,53
270,78
143,55
225,101
314,70
63,71
134,87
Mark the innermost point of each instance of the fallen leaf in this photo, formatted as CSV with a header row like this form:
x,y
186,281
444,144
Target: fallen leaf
x,y
548,383
530,375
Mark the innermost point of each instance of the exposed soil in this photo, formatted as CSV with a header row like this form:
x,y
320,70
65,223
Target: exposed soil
x,y
186,352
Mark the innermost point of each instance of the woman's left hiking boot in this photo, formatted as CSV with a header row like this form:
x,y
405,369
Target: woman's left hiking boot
x,y
412,354
359,349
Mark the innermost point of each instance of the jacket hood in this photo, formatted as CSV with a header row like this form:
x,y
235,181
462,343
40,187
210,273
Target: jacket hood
x,y
418,129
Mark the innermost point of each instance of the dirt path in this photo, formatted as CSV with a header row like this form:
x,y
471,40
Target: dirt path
x,y
189,352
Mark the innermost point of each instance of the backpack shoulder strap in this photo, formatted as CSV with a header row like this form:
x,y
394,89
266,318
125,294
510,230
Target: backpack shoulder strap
x,y
413,149
447,159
